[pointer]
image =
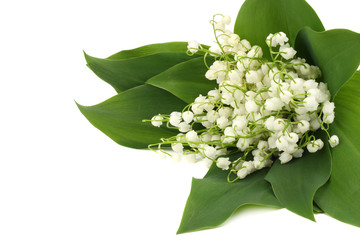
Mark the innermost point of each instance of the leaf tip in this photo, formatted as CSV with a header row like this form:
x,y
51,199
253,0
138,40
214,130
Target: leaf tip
x,y
88,58
184,229
77,104
180,231
82,108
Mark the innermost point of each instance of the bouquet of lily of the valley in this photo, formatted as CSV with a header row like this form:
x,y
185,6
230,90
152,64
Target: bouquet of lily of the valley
x,y
271,107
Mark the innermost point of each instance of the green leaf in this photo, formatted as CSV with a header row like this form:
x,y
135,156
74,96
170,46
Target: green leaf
x,y
212,199
258,18
173,47
317,209
185,80
296,182
120,117
340,197
336,52
132,68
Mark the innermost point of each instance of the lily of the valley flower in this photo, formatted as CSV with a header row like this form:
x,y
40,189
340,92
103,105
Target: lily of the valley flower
x,y
265,109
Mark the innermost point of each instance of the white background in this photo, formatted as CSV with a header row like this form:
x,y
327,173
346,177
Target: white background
x,y
61,178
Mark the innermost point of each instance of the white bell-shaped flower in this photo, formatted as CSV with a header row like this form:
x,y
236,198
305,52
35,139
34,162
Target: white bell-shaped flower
x,y
223,163
334,141
157,120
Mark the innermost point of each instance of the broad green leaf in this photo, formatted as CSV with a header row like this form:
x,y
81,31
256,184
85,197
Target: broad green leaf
x,y
258,18
340,197
296,182
212,199
132,68
173,47
120,117
185,80
336,52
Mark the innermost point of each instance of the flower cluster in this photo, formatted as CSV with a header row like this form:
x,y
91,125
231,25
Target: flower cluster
x,y
261,110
